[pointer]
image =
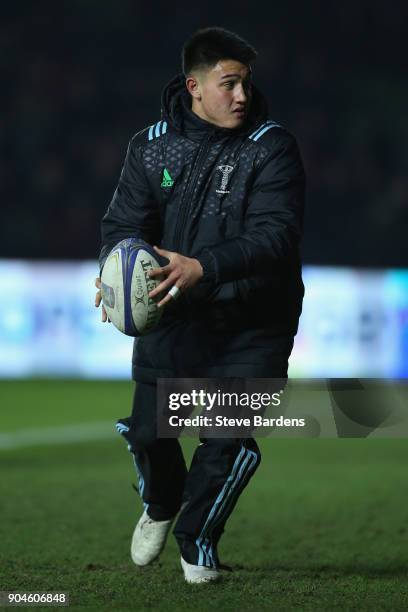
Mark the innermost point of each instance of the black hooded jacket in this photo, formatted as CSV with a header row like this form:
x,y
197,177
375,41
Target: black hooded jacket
x,y
233,199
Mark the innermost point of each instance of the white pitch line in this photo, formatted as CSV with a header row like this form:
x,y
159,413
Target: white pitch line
x,y
64,434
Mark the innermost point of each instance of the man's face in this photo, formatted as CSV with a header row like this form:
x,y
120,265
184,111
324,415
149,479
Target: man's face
x,y
222,94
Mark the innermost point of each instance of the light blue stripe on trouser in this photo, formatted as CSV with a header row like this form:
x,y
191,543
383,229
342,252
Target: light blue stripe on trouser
x,y
217,501
141,483
241,478
203,543
225,497
249,462
151,132
122,428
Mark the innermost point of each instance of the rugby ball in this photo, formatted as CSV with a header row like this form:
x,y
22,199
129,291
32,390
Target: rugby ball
x,y
125,284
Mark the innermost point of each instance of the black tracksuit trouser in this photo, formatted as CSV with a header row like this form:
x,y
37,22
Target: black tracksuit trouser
x,y
206,494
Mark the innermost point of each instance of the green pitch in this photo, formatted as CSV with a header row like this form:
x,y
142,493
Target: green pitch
x,y
322,526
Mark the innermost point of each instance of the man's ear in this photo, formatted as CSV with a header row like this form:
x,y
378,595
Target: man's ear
x,y
194,87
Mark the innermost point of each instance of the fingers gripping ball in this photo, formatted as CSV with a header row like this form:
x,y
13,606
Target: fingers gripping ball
x,y
125,285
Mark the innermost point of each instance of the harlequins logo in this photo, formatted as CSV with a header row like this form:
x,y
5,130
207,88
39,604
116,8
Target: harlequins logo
x,y
167,180
226,171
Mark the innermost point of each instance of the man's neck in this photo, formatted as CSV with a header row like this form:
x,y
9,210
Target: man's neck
x,y
197,110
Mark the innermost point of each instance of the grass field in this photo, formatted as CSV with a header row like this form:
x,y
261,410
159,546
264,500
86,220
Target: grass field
x,y
323,525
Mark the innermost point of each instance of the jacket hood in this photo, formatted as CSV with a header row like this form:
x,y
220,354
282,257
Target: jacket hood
x,y
176,109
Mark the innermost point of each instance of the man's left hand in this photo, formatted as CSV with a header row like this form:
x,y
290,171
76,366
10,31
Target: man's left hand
x,y
180,273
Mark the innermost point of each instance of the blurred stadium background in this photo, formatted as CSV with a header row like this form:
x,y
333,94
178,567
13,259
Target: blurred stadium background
x,y
79,78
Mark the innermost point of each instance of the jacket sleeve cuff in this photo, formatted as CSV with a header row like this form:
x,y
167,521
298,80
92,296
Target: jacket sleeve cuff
x,y
209,266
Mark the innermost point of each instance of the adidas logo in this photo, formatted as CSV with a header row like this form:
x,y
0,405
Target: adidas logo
x,y
167,180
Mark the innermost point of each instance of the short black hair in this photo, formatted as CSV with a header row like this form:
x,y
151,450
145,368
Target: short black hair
x,y
208,46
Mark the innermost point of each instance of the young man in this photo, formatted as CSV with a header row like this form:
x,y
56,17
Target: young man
x,y
220,188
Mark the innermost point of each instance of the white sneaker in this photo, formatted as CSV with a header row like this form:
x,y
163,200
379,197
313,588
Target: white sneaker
x,y
194,574
148,540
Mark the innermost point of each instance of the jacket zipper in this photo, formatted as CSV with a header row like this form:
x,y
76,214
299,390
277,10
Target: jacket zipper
x,y
185,204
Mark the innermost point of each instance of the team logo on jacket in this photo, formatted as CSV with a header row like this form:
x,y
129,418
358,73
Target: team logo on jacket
x,y
225,174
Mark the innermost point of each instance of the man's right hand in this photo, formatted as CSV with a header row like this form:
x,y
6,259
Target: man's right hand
x,y
98,300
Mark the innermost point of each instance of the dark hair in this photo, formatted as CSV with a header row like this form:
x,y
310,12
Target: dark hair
x,y
208,46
